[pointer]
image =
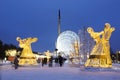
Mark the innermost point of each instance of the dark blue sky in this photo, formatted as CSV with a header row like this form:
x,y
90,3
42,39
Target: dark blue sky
x,y
39,18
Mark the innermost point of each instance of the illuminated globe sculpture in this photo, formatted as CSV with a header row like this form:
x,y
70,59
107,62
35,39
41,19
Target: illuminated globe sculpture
x,y
68,43
100,54
27,57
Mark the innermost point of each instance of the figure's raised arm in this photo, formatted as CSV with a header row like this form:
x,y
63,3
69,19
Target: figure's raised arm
x,y
18,38
34,39
90,30
112,29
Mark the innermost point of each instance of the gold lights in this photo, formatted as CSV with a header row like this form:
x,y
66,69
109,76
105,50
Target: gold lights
x,y
100,54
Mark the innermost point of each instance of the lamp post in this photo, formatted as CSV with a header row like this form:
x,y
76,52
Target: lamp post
x,y
56,51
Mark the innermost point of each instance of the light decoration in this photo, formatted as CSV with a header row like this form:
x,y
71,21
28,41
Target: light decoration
x,y
11,52
47,55
65,42
27,57
68,43
100,54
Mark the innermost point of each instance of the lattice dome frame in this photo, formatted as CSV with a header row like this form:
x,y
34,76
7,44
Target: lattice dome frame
x,y
65,42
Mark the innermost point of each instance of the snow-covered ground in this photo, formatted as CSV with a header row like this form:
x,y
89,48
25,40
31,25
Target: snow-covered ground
x,y
8,72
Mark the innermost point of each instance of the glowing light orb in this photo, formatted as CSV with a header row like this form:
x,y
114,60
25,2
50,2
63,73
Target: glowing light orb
x,y
65,42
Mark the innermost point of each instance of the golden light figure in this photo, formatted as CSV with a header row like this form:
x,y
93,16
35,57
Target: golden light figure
x,y
47,55
27,57
100,54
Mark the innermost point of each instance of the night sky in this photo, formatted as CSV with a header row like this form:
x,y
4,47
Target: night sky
x,y
39,18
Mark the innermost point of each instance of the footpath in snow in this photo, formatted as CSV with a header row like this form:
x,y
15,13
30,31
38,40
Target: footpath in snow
x,y
7,72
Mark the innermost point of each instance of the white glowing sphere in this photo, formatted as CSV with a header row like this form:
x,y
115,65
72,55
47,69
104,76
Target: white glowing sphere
x,y
65,42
